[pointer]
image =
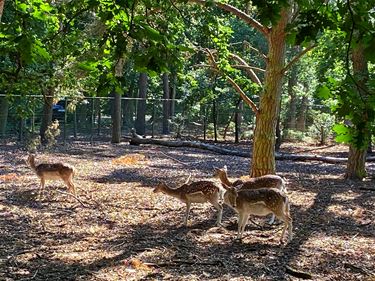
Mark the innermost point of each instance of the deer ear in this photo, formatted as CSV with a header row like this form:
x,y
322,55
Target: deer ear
x,y
225,168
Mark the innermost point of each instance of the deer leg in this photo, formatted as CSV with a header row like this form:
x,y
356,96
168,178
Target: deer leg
x,y
187,213
70,185
41,188
242,219
219,209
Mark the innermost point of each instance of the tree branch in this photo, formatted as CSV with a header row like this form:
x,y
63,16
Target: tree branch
x,y
238,13
247,67
245,98
297,57
249,71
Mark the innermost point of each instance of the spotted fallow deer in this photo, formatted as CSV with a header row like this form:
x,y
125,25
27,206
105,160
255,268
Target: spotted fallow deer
x,y
266,181
195,192
54,171
259,202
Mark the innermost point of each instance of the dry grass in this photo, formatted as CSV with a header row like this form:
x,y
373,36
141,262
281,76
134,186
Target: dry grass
x,y
122,231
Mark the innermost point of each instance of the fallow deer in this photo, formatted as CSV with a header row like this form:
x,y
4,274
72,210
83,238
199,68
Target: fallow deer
x,y
266,181
195,192
259,202
54,171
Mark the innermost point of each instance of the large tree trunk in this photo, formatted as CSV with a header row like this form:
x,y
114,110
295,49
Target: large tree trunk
x,y
47,114
263,158
140,123
166,106
356,167
4,106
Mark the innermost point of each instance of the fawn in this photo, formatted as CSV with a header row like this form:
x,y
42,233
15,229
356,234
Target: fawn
x,y
53,171
259,202
266,181
195,192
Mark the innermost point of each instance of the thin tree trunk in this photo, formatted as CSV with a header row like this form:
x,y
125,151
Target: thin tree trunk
x,y
263,158
140,123
116,119
4,107
2,3
292,81
356,167
116,115
173,94
166,106
47,114
301,121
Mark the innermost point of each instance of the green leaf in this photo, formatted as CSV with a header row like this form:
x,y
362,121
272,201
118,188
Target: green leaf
x,y
340,129
324,93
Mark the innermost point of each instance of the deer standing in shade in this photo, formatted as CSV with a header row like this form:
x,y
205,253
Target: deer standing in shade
x,y
195,192
266,181
54,171
259,202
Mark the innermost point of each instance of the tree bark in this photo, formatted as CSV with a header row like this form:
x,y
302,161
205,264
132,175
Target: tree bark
x,y
166,105
356,167
116,119
4,107
140,123
2,3
47,114
116,114
263,157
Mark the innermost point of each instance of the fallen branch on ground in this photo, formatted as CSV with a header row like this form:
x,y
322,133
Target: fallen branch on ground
x,y
72,195
297,273
225,151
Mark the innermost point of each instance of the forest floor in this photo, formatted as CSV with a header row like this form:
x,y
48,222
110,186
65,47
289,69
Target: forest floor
x,y
121,230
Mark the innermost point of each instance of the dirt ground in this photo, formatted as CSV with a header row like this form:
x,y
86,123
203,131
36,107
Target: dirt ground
x,y
121,230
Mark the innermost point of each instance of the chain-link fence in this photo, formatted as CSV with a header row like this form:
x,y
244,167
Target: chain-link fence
x,y
90,119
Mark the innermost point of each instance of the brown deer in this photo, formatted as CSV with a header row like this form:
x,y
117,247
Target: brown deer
x,y
195,192
266,181
55,171
259,202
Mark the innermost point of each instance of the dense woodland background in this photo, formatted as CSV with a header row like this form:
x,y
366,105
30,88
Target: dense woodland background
x,y
270,82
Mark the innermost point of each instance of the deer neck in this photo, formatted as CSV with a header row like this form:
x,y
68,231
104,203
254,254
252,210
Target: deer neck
x,y
224,179
32,164
172,192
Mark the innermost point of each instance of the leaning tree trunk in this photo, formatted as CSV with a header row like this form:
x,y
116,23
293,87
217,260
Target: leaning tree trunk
x,y
263,158
140,122
166,106
356,167
4,106
47,114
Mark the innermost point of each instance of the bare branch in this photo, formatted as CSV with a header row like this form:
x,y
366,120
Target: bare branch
x,y
249,71
213,66
241,66
238,13
297,57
